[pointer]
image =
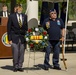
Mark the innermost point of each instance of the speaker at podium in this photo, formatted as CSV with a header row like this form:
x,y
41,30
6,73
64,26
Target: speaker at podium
x,y
5,47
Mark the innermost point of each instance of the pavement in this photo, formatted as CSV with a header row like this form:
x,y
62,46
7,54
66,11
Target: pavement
x,y
33,65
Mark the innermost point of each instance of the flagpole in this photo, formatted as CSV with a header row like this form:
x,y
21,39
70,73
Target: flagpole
x,y
66,23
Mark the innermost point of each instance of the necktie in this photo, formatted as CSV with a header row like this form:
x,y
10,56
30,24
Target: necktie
x,y
5,14
20,23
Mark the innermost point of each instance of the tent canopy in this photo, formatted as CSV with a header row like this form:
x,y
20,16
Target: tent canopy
x,y
53,0
56,0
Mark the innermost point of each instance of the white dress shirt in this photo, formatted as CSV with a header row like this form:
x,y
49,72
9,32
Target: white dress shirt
x,y
20,17
5,14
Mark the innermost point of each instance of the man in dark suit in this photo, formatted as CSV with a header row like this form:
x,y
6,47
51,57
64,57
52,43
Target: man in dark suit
x,y
4,12
16,29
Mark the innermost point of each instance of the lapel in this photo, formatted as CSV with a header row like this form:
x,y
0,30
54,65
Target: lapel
x,y
2,13
16,20
22,19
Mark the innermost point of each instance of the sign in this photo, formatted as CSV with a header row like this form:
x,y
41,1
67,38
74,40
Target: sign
x,y
5,40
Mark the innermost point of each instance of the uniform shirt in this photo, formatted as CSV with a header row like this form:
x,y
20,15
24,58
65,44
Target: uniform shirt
x,y
54,29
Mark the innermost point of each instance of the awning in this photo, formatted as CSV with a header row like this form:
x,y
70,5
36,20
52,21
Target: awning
x,y
53,0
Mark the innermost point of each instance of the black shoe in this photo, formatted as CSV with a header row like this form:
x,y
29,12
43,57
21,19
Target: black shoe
x,y
20,69
57,68
46,68
15,69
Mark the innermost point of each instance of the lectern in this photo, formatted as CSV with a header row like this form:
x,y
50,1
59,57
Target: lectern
x,y
4,21
5,47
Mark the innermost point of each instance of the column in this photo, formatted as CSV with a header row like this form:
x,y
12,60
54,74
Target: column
x,y
32,13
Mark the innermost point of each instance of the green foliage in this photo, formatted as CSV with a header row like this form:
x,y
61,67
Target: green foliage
x,y
18,1
72,10
21,1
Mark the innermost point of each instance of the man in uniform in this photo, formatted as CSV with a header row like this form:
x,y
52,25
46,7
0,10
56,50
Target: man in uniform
x,y
16,29
55,29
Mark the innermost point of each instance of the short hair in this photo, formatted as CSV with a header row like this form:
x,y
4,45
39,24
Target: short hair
x,y
4,5
18,5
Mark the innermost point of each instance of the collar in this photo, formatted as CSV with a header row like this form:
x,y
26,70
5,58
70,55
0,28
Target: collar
x,y
52,19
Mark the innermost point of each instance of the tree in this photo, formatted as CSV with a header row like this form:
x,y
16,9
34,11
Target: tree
x,y
72,10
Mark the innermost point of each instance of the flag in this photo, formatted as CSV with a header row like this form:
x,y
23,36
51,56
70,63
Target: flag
x,y
44,12
63,11
56,7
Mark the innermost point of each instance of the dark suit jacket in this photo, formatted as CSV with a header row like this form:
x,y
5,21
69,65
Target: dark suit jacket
x,y
1,13
13,29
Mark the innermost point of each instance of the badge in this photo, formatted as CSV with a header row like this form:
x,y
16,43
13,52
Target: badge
x,y
58,22
47,25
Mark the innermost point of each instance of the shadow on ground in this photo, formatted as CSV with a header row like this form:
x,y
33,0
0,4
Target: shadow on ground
x,y
7,67
35,67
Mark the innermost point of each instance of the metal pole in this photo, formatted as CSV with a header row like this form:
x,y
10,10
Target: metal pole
x,y
66,23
